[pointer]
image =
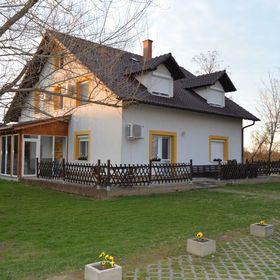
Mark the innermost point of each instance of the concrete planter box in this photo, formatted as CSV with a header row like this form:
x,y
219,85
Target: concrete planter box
x,y
261,230
93,273
201,248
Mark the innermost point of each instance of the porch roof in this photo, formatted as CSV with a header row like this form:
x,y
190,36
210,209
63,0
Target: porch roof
x,y
54,126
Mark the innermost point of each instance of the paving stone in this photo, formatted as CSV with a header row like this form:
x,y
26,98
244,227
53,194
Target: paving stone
x,y
245,259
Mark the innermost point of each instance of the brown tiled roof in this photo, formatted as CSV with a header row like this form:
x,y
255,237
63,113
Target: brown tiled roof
x,y
152,64
209,80
117,68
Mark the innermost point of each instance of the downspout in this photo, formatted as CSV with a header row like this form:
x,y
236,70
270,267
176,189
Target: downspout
x,y
242,140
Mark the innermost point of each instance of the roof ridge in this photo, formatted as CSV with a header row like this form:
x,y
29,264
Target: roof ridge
x,y
103,45
208,74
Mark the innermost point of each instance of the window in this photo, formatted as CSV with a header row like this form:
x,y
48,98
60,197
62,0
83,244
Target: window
x,y
61,60
83,92
216,98
57,99
71,89
82,145
218,148
58,60
163,146
3,154
161,85
9,154
37,99
15,155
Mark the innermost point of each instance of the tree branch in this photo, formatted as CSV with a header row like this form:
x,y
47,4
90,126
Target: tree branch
x,y
21,13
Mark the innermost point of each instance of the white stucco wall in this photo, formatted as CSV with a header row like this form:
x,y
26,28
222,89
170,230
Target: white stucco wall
x,y
105,126
193,131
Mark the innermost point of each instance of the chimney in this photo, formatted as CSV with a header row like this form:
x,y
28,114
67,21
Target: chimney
x,y
147,49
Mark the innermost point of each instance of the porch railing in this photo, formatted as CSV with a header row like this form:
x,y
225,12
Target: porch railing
x,y
107,174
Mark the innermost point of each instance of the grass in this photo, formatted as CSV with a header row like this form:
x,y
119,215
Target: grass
x,y
43,232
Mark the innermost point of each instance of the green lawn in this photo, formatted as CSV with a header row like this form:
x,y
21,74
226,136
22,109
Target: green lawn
x,y
43,232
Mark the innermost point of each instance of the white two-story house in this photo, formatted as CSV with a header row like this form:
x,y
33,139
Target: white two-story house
x,y
84,101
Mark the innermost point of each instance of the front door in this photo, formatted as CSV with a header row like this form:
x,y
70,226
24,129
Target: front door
x,y
30,153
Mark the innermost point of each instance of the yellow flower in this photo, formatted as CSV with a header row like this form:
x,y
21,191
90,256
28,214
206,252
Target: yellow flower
x,y
199,235
102,254
106,257
262,222
112,263
111,258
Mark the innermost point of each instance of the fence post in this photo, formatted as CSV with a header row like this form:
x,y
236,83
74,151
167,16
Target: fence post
x,y
150,171
37,167
219,170
191,170
108,174
99,174
63,169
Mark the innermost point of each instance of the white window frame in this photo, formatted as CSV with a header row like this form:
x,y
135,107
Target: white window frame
x,y
37,141
163,77
81,139
6,154
159,151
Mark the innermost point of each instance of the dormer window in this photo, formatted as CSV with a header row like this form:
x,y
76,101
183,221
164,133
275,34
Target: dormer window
x,y
158,82
161,85
214,95
216,98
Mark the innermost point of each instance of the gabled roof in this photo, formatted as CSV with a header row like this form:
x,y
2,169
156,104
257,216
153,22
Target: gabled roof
x,y
209,80
119,77
152,64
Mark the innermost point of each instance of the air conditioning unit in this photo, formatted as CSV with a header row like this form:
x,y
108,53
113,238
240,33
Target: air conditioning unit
x,y
134,131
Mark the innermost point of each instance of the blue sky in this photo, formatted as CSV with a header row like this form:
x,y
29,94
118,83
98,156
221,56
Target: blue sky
x,y
245,33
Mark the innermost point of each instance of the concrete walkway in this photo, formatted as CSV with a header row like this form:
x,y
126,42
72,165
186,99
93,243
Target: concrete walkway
x,y
247,258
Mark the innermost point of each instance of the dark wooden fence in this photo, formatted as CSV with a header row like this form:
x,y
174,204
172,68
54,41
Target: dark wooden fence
x,y
236,171
107,174
115,175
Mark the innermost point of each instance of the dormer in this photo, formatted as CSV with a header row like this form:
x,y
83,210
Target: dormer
x,y
156,74
214,95
212,87
158,82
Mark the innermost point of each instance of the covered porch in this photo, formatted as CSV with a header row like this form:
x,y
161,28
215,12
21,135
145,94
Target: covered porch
x,y
22,143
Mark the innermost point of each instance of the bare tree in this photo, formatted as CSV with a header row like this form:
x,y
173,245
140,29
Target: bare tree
x,y
269,110
208,62
23,24
259,146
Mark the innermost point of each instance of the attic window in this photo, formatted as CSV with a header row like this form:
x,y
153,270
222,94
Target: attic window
x,y
161,85
58,60
216,98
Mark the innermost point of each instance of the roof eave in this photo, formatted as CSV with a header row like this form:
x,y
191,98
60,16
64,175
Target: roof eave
x,y
253,118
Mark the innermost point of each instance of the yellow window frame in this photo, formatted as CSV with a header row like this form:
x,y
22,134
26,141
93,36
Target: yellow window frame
x,y
78,90
57,90
173,136
225,139
76,143
36,102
